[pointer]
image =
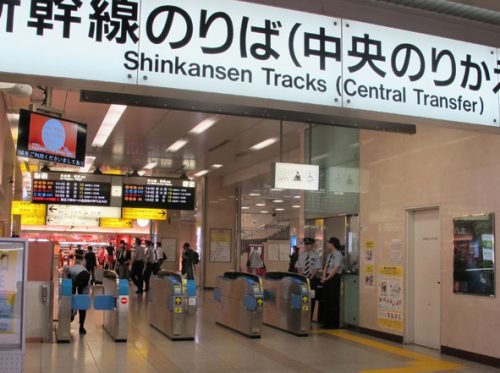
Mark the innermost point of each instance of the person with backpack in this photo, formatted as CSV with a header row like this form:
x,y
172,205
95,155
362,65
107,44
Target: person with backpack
x,y
190,258
80,277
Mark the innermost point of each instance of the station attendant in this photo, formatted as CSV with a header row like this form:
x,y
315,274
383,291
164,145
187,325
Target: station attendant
x,y
331,284
308,264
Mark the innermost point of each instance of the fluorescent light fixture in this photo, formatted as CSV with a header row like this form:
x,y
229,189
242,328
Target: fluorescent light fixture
x,y
216,166
264,144
280,209
296,206
201,173
205,125
141,172
89,161
112,117
296,197
176,145
277,200
276,189
245,208
254,194
150,165
264,212
260,204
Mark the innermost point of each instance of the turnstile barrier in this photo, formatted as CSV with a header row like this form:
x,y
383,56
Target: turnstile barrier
x,y
173,304
115,303
288,302
240,301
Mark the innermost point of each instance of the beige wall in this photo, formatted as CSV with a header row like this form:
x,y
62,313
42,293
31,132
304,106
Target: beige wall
x,y
221,209
457,170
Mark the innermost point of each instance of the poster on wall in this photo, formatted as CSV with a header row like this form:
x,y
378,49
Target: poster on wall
x,y
369,252
220,245
369,275
390,297
474,254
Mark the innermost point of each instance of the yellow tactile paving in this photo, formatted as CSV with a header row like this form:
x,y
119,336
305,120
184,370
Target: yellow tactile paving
x,y
421,362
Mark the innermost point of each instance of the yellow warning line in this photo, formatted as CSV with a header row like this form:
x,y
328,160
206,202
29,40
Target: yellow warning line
x,y
420,363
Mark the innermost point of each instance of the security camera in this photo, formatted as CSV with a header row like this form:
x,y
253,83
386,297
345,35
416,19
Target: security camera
x,y
274,214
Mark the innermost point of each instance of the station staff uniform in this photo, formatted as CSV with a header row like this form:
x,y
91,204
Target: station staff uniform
x,y
308,264
331,289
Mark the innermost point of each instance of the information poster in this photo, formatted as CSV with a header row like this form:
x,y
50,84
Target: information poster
x,y
220,245
390,297
369,275
369,252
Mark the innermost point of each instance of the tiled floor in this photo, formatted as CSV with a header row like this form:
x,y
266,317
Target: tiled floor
x,y
217,349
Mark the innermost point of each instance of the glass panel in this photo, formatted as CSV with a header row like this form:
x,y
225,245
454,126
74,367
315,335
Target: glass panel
x,y
474,254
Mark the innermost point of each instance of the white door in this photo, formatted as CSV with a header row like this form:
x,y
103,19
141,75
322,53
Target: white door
x,y
427,284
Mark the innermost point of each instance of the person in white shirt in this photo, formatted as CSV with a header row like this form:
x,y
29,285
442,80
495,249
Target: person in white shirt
x,y
308,264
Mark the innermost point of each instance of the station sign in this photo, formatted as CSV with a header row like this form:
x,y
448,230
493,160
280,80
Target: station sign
x,y
115,223
28,208
296,176
32,219
72,221
83,211
159,193
137,213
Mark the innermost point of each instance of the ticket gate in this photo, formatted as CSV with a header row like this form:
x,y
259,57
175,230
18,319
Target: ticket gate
x,y
240,302
173,303
67,301
288,302
115,303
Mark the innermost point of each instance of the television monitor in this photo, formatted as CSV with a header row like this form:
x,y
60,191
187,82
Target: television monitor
x,y
51,139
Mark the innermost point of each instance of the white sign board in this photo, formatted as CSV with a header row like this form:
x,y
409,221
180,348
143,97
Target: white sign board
x,y
83,211
296,176
253,50
72,221
410,73
342,179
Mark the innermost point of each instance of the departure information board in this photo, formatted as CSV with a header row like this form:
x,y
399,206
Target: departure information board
x,y
159,193
70,190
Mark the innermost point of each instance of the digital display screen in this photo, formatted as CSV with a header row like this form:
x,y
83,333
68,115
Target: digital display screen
x,y
51,139
158,196
71,192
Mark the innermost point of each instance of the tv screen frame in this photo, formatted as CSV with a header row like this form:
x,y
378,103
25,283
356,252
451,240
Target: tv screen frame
x,y
39,132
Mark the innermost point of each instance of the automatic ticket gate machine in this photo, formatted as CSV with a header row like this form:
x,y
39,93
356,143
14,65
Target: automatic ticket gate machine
x,y
115,304
240,301
67,302
288,302
173,304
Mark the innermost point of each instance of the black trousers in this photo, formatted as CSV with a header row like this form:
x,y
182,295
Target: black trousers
x,y
314,285
331,297
147,275
136,275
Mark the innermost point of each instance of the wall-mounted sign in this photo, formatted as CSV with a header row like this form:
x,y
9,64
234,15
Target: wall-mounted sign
x,y
138,213
32,219
28,208
296,176
342,179
158,193
72,221
70,189
254,50
84,211
115,223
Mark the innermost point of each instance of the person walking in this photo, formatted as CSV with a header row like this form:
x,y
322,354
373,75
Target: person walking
x,y
80,278
138,265
255,260
150,260
293,259
331,284
123,258
90,263
190,258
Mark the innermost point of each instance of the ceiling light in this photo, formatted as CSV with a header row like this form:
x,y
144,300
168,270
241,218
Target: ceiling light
x,y
150,165
176,145
141,172
280,209
264,212
201,173
260,204
205,125
276,189
264,144
254,194
296,206
245,208
109,122
296,197
216,166
277,200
